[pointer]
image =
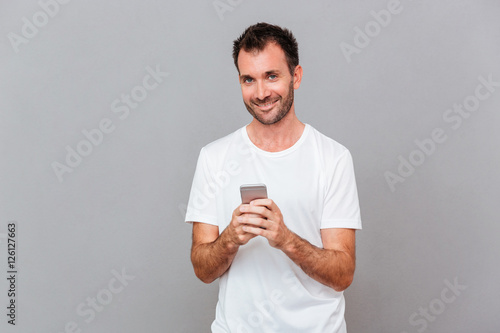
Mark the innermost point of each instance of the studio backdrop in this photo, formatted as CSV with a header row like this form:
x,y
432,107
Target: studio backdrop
x,y
105,105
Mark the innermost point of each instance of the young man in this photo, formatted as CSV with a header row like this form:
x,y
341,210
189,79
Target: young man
x,y
282,262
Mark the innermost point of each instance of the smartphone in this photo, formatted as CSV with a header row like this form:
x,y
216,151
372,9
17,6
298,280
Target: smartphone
x,y
251,192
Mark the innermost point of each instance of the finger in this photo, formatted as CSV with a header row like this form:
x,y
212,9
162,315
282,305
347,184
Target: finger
x,y
239,220
254,221
256,231
241,209
262,202
260,210
270,204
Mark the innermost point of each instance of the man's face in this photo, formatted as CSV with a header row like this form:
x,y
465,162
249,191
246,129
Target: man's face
x,y
266,84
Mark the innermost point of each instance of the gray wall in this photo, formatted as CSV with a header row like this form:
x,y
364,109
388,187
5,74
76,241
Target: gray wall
x,y
101,242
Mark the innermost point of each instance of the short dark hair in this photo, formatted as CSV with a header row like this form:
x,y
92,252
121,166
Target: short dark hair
x,y
257,36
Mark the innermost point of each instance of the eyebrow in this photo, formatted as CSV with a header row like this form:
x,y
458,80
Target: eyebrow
x,y
244,77
273,71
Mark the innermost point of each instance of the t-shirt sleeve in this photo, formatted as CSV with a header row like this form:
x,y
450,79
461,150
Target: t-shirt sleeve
x,y
341,204
202,205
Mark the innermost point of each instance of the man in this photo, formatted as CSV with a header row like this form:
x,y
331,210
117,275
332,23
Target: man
x,y
282,262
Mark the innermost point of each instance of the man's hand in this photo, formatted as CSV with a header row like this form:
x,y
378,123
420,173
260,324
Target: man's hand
x,y
211,253
235,231
333,265
263,217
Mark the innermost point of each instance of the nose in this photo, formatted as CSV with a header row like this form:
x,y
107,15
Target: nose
x,y
262,90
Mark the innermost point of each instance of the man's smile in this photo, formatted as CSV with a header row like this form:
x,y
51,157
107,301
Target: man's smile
x,y
266,105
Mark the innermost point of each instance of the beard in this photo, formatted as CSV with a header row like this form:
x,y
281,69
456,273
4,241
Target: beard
x,y
286,105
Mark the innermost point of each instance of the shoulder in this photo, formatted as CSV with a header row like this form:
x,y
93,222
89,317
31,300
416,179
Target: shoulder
x,y
222,143
216,151
330,149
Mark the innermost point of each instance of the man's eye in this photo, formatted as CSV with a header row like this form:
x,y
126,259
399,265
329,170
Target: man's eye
x,y
247,80
273,76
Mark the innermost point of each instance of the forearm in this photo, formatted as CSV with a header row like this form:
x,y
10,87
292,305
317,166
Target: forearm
x,y
211,260
333,268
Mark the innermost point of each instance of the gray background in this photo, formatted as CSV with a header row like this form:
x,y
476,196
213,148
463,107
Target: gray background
x,y
122,207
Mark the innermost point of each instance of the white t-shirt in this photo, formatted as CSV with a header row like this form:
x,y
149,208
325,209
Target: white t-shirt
x,y
313,184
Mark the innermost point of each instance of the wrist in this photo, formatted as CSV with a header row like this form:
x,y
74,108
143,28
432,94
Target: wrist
x,y
227,242
291,244
231,247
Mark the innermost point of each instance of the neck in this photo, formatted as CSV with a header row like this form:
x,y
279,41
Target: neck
x,y
276,137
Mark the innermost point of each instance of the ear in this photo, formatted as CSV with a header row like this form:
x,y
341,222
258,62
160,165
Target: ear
x,y
297,77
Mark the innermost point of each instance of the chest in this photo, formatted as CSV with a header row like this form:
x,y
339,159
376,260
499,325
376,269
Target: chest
x,y
295,183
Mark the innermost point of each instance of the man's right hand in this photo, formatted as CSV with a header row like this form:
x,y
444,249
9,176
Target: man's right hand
x,y
235,228
211,253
